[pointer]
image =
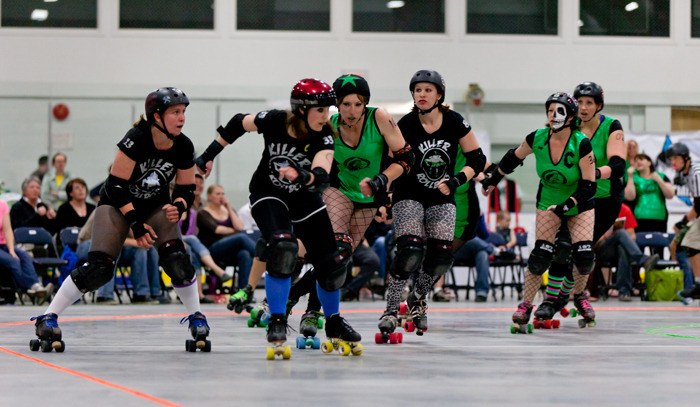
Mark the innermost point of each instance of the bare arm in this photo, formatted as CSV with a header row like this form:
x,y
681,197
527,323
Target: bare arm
x,y
665,186
393,138
616,147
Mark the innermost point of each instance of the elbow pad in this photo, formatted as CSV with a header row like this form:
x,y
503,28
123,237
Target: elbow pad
x,y
476,160
185,192
234,129
617,167
117,189
509,162
405,157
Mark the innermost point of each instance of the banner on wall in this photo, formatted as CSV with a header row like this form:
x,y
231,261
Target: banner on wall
x,y
653,144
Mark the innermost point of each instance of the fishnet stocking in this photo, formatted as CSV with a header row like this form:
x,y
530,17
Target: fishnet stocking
x,y
580,282
345,218
359,222
581,226
532,284
547,225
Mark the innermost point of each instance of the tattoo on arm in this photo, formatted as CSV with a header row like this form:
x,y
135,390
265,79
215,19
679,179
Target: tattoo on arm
x,y
392,122
620,136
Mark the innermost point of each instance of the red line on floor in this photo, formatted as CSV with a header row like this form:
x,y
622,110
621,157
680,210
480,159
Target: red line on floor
x,y
92,379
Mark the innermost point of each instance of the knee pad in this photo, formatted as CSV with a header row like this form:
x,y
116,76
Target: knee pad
x,y
95,272
261,249
409,256
562,245
332,271
438,257
540,257
584,258
344,243
281,255
176,263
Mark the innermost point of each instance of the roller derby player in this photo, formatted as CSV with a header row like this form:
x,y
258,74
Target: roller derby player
x,y
607,139
566,167
689,175
136,196
424,205
286,190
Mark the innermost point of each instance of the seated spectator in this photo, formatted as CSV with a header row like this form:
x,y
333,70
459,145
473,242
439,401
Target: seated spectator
x,y
53,185
618,245
77,210
220,231
365,264
503,238
30,210
199,254
145,271
249,225
477,251
649,190
42,167
17,260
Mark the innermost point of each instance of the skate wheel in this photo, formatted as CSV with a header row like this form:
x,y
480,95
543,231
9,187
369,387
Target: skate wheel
x,y
357,349
548,324
270,354
573,312
394,337
514,328
251,323
230,306
344,349
327,347
34,345
687,301
319,323
316,343
287,352
399,335
409,326
207,346
58,346
592,324
301,342
556,323
538,324
190,345
564,312
46,346
528,329
378,338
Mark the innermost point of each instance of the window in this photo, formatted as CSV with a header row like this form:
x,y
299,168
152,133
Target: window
x,y
643,18
49,14
167,14
410,16
533,17
297,15
695,19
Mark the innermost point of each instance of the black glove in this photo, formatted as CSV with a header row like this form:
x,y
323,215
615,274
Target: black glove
x,y
208,155
181,208
562,208
598,174
378,183
492,177
135,224
456,181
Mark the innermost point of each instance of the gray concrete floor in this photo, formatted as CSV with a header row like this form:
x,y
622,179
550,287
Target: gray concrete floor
x,y
640,354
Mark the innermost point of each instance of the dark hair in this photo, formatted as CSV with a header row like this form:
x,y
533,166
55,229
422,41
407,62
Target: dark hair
x,y
71,183
642,156
44,159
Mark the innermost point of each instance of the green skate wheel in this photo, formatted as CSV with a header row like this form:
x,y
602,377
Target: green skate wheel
x,y
319,323
251,323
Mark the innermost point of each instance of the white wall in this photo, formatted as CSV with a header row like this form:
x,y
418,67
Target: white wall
x,y
104,74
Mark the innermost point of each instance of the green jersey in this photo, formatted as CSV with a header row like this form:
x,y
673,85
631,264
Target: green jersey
x,y
650,202
558,181
599,143
362,161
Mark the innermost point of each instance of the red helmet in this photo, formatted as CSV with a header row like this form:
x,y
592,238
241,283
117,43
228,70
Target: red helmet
x,y
310,92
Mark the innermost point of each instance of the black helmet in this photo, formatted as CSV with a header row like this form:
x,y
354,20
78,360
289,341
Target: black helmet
x,y
310,92
590,89
349,84
431,77
566,100
677,149
162,98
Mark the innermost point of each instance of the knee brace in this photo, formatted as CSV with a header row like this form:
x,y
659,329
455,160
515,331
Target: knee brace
x,y
176,263
409,256
438,257
541,257
584,258
282,254
261,249
94,273
332,271
562,245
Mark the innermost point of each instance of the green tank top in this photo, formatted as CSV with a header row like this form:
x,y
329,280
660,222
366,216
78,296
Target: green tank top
x,y
599,143
650,202
557,181
360,162
461,199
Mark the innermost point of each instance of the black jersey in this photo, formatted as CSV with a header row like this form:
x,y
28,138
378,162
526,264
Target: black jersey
x,y
283,150
436,154
154,169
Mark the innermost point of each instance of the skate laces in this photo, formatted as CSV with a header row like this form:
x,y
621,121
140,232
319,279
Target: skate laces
x,y
49,319
197,319
279,321
524,307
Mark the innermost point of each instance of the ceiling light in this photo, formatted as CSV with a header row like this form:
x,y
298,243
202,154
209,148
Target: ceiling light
x,y
50,1
395,4
40,15
631,6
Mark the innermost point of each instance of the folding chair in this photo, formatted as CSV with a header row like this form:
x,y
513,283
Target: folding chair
x,y
69,237
46,258
500,268
657,242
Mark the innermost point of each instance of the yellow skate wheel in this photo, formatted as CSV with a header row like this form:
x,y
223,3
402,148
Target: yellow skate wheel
x,y
327,347
287,352
270,353
357,349
344,348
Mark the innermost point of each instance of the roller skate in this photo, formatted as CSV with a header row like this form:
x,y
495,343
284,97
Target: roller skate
x,y
419,321
240,299
310,323
341,337
387,325
277,336
259,315
521,319
49,334
544,315
690,294
199,328
583,308
403,315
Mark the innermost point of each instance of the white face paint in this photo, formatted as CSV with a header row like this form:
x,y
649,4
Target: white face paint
x,y
559,116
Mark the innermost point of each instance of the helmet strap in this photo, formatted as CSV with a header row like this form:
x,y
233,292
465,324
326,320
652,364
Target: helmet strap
x,y
162,129
426,111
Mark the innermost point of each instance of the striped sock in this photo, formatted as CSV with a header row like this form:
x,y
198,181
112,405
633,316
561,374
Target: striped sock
x,y
566,286
553,287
